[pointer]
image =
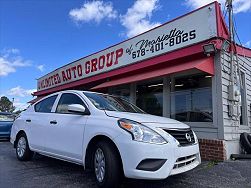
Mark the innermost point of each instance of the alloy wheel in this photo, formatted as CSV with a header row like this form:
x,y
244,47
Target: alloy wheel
x,y
21,146
99,165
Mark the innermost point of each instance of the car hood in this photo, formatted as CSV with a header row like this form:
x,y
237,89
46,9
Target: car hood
x,y
149,120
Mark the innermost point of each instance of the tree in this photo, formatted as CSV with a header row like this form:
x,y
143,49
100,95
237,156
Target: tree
x,y
6,105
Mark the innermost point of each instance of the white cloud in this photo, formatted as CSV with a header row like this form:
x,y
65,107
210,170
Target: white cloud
x,y
20,92
10,51
5,67
200,3
241,5
248,44
238,5
20,105
93,11
41,68
10,60
137,18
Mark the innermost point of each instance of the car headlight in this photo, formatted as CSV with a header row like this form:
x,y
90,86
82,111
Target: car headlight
x,y
195,137
140,132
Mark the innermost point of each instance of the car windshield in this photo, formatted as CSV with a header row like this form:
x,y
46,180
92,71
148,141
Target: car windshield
x,y
6,117
112,103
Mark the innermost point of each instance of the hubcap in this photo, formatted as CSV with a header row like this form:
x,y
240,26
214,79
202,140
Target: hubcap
x,y
99,165
21,146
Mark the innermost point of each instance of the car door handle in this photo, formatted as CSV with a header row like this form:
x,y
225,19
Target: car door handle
x,y
28,120
53,122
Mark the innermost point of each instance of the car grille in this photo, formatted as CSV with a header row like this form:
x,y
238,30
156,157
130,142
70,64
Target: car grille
x,y
183,161
182,136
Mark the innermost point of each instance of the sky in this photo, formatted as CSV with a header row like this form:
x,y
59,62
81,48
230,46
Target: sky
x,y
38,36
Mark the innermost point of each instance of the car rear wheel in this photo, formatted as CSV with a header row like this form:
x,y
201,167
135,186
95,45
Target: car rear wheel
x,y
107,167
23,151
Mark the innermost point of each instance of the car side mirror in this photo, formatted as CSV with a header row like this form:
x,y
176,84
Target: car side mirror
x,y
78,109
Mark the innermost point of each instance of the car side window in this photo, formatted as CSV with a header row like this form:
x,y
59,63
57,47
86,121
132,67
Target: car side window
x,y
68,99
45,105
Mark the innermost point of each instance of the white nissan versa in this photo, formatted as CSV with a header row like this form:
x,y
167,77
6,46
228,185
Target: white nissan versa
x,y
107,134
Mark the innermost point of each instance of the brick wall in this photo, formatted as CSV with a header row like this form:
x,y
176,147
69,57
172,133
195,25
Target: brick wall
x,y
212,149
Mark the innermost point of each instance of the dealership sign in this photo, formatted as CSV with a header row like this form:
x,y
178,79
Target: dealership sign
x,y
197,26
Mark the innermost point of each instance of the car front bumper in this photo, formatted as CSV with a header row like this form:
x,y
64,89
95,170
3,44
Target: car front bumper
x,y
177,159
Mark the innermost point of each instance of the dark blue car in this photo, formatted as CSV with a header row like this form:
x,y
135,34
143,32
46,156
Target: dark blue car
x,y
6,121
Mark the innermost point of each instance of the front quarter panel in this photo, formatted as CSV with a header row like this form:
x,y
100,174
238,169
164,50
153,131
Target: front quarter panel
x,y
103,126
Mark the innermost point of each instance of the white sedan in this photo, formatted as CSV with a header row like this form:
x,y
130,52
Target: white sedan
x,y
107,134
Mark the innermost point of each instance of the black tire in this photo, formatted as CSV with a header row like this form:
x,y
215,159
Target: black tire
x,y
113,167
245,140
26,154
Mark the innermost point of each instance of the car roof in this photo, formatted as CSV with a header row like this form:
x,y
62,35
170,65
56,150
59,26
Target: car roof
x,y
79,91
65,91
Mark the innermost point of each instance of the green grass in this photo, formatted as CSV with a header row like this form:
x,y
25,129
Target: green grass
x,y
212,163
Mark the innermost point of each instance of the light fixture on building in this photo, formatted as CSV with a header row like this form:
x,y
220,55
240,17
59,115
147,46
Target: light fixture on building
x,y
208,76
155,85
179,85
209,49
225,46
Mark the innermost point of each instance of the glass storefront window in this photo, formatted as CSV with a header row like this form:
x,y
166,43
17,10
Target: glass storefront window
x,y
149,97
122,91
243,100
191,99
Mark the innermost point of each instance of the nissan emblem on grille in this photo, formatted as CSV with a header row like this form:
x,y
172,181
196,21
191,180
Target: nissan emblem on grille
x,y
188,137
185,137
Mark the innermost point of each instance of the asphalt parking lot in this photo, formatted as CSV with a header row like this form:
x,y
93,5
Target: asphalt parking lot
x,y
46,172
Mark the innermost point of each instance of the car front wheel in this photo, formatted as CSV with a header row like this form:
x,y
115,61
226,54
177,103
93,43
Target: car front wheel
x,y
107,166
23,151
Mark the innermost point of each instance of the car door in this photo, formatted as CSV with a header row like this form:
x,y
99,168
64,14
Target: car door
x,y
37,122
66,129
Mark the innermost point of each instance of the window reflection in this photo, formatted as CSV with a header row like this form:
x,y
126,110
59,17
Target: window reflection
x,y
191,99
122,91
150,97
243,99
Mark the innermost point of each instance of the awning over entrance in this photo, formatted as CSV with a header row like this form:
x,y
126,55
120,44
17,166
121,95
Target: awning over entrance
x,y
205,65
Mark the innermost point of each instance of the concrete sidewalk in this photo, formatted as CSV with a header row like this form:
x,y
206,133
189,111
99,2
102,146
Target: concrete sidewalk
x,y
46,172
